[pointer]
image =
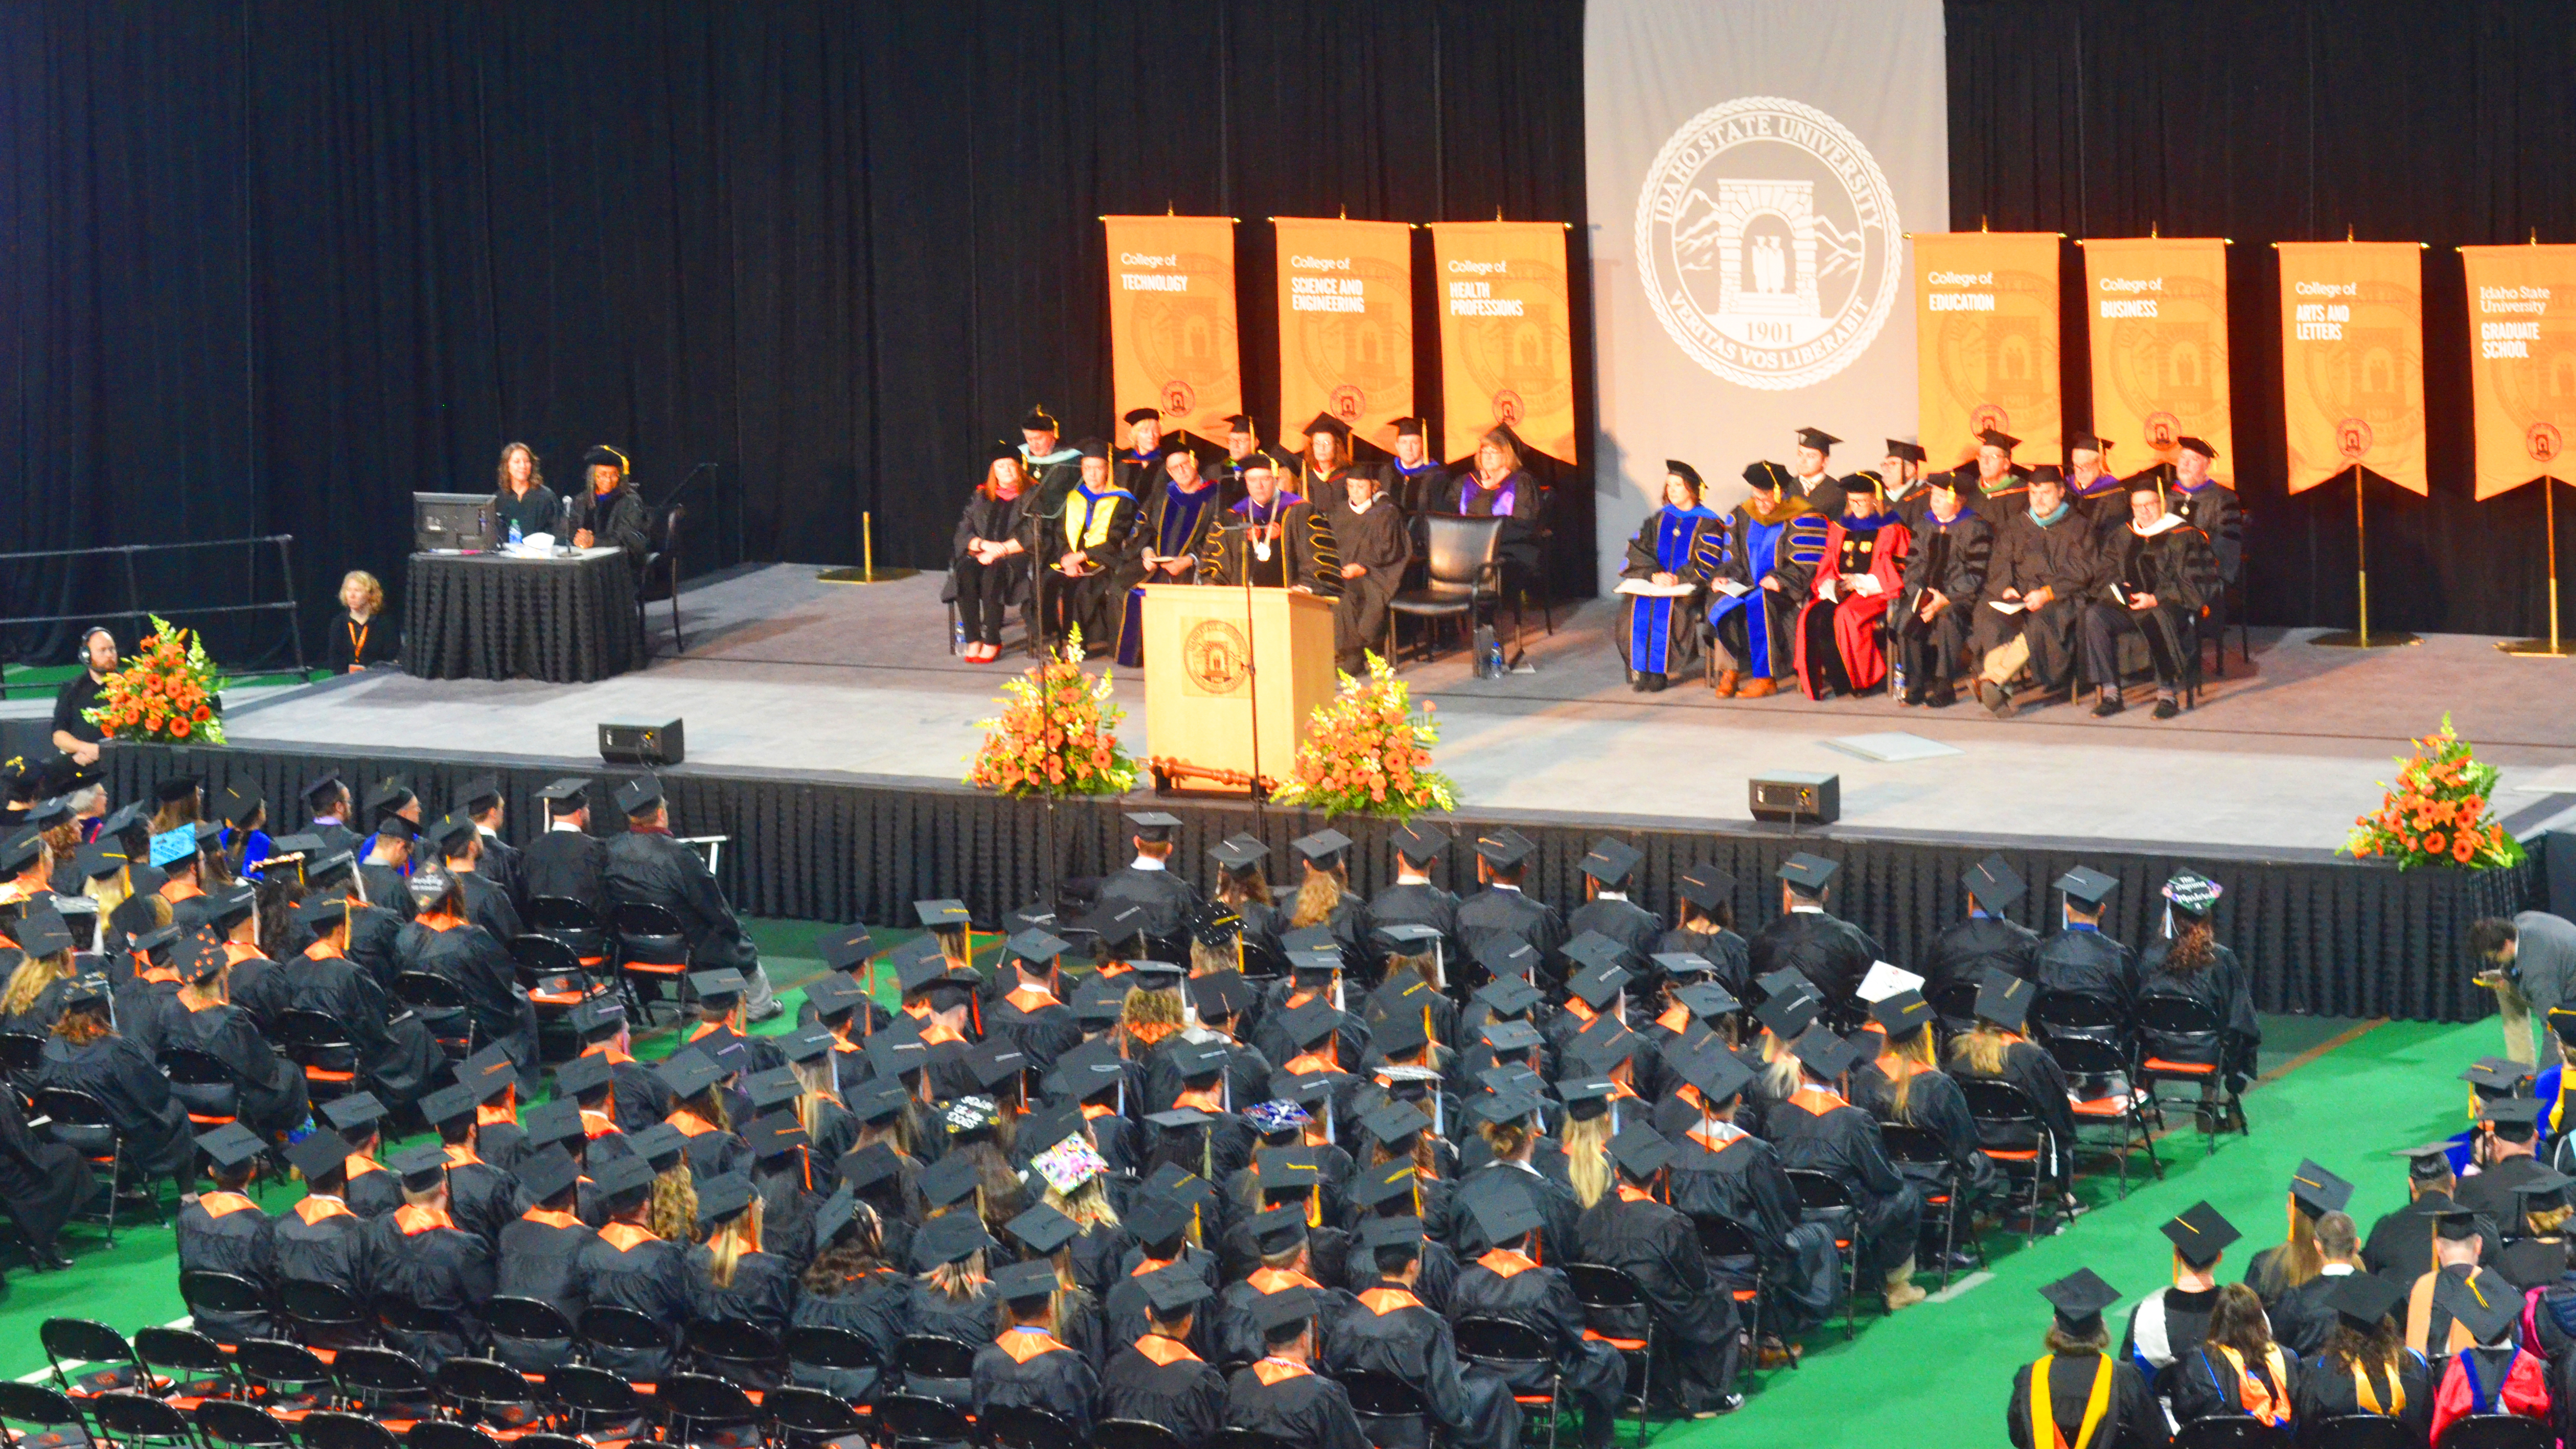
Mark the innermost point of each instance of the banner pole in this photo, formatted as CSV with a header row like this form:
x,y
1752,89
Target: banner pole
x,y
2551,647
2361,639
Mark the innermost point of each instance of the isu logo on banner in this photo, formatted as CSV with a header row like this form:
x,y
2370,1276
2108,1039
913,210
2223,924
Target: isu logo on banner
x,y
1345,325
2352,360
1985,332
2157,308
1506,338
2522,361
1171,321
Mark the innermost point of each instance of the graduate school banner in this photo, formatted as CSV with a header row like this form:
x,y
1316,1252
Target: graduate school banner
x,y
2352,360
1506,334
1985,339
1345,325
2157,312
1171,321
1751,170
2522,361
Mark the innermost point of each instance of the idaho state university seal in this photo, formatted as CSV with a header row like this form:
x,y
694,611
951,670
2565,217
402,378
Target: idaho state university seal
x,y
1214,654
1766,242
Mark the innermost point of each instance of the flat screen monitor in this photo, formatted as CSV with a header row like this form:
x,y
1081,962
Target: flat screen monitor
x,y
451,522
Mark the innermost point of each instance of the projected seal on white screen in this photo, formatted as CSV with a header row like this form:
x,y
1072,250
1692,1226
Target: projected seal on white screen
x,y
1765,237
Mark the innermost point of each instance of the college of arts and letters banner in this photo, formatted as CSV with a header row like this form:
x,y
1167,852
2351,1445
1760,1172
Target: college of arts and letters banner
x,y
1345,326
2157,311
1752,169
1985,340
2522,361
2352,360
1171,321
1506,334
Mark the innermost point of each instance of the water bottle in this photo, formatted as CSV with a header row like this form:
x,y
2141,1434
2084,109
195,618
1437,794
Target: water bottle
x,y
1494,664
514,533
957,635
1896,678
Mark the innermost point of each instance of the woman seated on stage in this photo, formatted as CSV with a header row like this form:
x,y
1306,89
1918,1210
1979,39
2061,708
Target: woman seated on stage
x,y
1498,487
1681,543
1859,576
362,638
988,567
521,496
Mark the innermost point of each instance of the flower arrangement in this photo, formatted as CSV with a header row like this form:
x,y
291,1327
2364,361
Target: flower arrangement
x,y
2437,812
1366,752
1056,734
168,690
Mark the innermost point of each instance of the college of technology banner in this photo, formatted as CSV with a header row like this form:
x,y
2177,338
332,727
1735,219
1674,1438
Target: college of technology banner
x,y
1171,321
2522,361
2156,308
2352,360
1752,169
1506,334
1985,339
1345,326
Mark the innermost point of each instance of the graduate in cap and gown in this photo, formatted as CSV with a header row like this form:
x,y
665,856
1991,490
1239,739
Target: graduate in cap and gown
x,y
1945,576
567,860
1996,1049
1819,1130
1502,911
1148,882
850,1285
1831,953
2167,1325
1391,1331
1810,464
1774,544
1174,542
1083,552
611,512
1353,551
1855,582
319,1240
481,1198
628,1266
1507,1280
2082,959
1679,543
221,1231
647,863
1986,937
536,1252
1281,1236
2364,1367
1159,1378
2295,1262
421,1257
2089,1399
1607,868
732,1276
1414,899
1905,1085
1657,1247
268,1090
2190,962
2490,1373
476,963
1026,1365
1280,1394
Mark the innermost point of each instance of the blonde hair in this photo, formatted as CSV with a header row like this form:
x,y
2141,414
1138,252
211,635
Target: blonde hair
x,y
31,978
730,1241
1318,896
1779,1077
1914,1046
501,478
1982,1049
1150,1008
2300,1259
375,591
109,890
1587,1157
958,1281
1087,1204
674,1214
815,1077
1500,440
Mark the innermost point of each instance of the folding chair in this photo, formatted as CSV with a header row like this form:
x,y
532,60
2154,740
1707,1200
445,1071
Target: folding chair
x,y
556,982
2006,1114
1521,1356
2230,1431
573,923
700,1403
287,1380
387,1386
652,946
1132,1434
1615,1312
820,1357
2362,1431
35,1417
442,1007
204,1085
738,1353
926,1357
88,1358
622,1330
133,1419
1923,1150
2181,1043
1723,1240
2489,1431
443,1434
81,1122
337,1429
1390,1410
601,1407
241,1425
320,1047
530,1336
2097,1069
1023,1426
915,1421
485,1392
1822,1198
208,1370
324,1317
803,1418
21,1052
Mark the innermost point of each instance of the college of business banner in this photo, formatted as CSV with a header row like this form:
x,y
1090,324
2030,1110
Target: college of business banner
x,y
1171,321
2157,311
1985,340
1345,325
1752,169
1506,334
2522,361
2352,360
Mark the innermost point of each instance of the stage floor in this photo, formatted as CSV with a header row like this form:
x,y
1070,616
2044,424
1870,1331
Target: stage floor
x,y
785,673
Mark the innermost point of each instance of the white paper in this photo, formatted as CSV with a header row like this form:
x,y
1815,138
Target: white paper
x,y
1648,588
2005,606
1732,589
1885,980
1868,585
536,543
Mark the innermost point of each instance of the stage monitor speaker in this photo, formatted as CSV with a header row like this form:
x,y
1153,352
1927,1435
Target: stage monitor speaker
x,y
1800,797
642,744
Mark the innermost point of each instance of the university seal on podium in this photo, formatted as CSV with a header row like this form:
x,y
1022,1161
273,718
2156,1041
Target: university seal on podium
x,y
1216,656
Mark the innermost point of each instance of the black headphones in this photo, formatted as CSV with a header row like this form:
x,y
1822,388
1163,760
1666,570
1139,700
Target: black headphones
x,y
80,651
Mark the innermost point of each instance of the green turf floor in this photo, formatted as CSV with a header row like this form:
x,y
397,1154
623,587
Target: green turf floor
x,y
1931,1377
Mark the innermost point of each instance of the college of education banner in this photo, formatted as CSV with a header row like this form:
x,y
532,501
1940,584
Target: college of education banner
x,y
1506,334
2522,361
1171,321
1985,341
1751,170
2156,308
1345,325
2352,360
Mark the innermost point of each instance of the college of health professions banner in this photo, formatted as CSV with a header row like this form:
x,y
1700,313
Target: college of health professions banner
x,y
1751,170
1506,334
2157,311
1345,326
2352,360
1985,340
1171,321
2522,361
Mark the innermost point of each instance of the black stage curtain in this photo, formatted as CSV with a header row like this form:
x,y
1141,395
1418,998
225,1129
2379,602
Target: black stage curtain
x,y
275,266
2317,934
2291,120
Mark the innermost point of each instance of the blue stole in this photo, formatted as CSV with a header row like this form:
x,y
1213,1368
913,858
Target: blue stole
x,y
1177,517
1761,553
1650,621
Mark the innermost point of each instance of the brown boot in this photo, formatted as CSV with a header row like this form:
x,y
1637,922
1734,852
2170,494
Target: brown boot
x,y
1726,682
1756,688
1900,1290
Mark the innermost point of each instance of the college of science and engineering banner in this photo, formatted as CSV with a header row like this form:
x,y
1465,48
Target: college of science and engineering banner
x,y
2352,360
1751,169
2522,361
2157,311
1985,337
1506,334
1172,339
1345,326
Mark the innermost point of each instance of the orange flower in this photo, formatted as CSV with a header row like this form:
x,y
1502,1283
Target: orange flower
x,y
2433,842
180,728
2464,849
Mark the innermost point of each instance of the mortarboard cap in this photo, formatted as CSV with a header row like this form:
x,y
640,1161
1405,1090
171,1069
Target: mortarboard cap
x,y
1609,861
1994,883
1274,1311
238,805
449,1104
2200,1234
2516,1119
622,1177
318,793
1182,1186
1997,438
1509,995
1239,852
1141,415
1785,1014
2364,1299
584,1074
660,1146
952,1179
1825,1054
1806,873
2497,1075
1502,1208
1676,468
1586,1097
1043,1229
2088,885
546,1173
969,1115
1911,452
1707,1000
1397,1232
2319,1191
1394,1122
997,1061
2079,1299
2428,1162
355,1114
717,986
722,1199
772,1088
2544,1192
1420,843
1371,1186
1504,848
1594,950
1220,995
1327,423
1153,825
2191,892
556,1121
689,1073
566,794
1026,1282
835,995
1507,956
1902,1013
43,933
1640,1151
478,794
639,795
185,787
168,846
2194,445
837,1212
1323,848
1817,438
1706,887
1174,1290
942,914
845,948
1276,1230
420,1168
231,1146
2004,998
1156,1219
863,1168
2482,1304
951,1238
319,1156
1510,1036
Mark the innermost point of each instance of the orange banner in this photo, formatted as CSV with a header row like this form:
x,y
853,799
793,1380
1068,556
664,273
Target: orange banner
x,y
1171,321
2157,311
1345,326
2352,360
2522,361
1985,338
1506,337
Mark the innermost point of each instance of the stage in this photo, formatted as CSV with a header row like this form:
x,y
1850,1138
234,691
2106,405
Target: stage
x,y
828,722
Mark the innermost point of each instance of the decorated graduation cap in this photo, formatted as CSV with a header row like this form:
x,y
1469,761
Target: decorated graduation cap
x,y
2004,999
967,1116
2192,893
2085,884
1706,887
1420,842
168,847
1807,874
1901,1014
1609,861
1994,883
2079,1299
199,957
1323,849
1998,438
2317,1190
1505,848
2200,1234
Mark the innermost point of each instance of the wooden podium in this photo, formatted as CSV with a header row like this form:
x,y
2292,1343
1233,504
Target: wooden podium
x,y
1202,643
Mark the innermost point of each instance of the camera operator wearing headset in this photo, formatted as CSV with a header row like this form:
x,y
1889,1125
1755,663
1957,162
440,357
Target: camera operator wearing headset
x,y
74,735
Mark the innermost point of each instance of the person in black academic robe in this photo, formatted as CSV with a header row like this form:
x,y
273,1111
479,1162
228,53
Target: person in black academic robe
x,y
1252,540
1965,949
397,1058
1417,902
1658,1248
423,1258
2328,1390
2133,1419
762,1293
2209,506
1027,1366
1817,1130
1390,1331
1933,1102
1833,954
2003,1055
1176,525
479,966
2084,960
1282,1396
1607,909
1936,605
625,1265
42,1182
1166,897
2209,974
1353,553
1681,543
2053,561
1158,1379
988,563
647,864
1501,912
223,1231
86,1055
2151,579
319,1240
567,861
1497,486
537,1257
1505,1282
1081,553
611,512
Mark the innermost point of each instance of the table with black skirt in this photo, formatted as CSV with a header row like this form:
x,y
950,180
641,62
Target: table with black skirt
x,y
568,618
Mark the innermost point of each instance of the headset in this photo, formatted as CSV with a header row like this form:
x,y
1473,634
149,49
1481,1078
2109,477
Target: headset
x,y
80,651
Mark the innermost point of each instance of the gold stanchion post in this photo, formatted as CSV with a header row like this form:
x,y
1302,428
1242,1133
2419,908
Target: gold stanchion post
x,y
2550,647
2361,639
867,572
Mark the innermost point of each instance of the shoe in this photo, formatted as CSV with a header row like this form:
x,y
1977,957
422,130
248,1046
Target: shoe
x,y
1726,1405
1727,679
1636,682
776,1008
1995,697
1756,689
1941,698
1911,699
1654,684
2206,1120
2109,705
1903,1296
2167,709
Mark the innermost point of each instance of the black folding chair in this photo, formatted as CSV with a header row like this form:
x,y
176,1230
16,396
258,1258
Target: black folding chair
x,y
324,1317
447,1434
696,1403
530,1336
21,1052
386,1385
2098,1073
622,1330
241,1425
1822,1198
1391,1411
2005,1114
1923,1150
320,1048
198,1368
338,1429
2361,1431
204,1085
916,1421
927,1356
1615,1312
106,1362
207,1291
2181,1041
599,1404
802,1418
2492,1431
81,1122
33,1416
739,1353
819,1355
2230,1431
573,923
1723,1240
1023,1426
1521,1355
484,1391
1462,578
287,1380
442,1007
652,946
1133,1434
133,1419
